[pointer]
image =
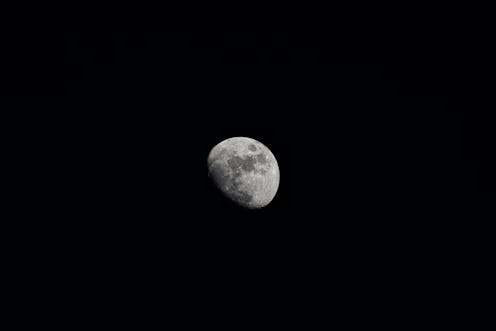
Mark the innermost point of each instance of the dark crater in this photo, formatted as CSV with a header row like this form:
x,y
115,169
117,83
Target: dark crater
x,y
247,163
261,158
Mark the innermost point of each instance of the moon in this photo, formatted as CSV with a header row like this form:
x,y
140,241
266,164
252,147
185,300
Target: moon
x,y
245,171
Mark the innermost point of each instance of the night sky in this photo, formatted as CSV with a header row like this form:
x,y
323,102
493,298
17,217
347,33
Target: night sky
x,y
368,110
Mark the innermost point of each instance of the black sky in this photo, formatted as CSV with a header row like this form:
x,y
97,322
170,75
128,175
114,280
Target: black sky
x,y
367,109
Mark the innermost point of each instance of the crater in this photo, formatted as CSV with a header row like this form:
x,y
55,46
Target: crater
x,y
222,153
238,195
252,147
243,197
219,155
262,158
247,163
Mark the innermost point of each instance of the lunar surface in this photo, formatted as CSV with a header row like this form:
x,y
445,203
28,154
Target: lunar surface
x,y
245,171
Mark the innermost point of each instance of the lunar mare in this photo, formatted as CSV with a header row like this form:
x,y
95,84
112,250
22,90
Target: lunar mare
x,y
245,171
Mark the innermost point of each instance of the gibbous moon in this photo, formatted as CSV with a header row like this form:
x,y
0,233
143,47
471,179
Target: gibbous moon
x,y
245,171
